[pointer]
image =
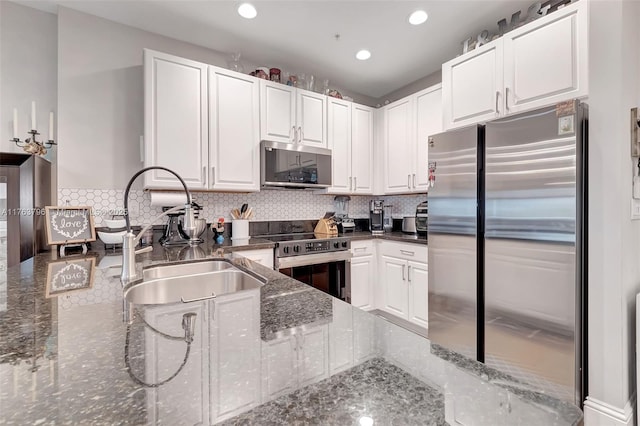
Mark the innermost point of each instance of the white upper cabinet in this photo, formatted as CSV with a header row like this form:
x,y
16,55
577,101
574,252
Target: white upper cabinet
x,y
311,118
339,119
277,112
408,124
176,123
362,149
428,122
398,146
472,86
350,138
291,115
538,64
546,61
234,117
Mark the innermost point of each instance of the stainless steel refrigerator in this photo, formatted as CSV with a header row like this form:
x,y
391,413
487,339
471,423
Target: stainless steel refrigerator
x,y
507,247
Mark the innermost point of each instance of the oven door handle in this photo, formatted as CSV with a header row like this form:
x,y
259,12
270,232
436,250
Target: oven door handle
x,y
312,259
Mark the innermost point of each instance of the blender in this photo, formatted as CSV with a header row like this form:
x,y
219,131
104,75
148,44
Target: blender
x,y
344,222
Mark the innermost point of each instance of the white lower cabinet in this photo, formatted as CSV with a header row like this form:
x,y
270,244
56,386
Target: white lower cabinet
x,y
403,287
263,256
364,341
235,354
183,399
341,337
363,272
294,361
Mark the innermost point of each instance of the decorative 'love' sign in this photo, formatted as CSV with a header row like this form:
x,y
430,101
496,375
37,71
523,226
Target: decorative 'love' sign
x,y
69,276
67,225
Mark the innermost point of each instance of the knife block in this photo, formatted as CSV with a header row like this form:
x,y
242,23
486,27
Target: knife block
x,y
326,227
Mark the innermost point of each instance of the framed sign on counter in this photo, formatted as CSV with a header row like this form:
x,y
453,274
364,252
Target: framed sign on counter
x,y
69,225
69,276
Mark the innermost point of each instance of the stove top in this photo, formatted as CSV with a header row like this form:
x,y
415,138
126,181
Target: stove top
x,y
307,243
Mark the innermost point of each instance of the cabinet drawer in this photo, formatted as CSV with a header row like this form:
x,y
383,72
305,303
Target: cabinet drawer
x,y
407,251
362,248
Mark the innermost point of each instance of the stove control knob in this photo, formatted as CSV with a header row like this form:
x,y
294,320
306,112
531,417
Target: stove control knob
x,y
344,244
285,249
296,248
336,245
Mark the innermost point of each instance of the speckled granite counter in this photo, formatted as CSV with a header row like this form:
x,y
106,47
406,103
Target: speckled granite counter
x,y
284,353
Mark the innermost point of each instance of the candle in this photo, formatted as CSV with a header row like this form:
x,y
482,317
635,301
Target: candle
x,y
33,115
15,123
51,126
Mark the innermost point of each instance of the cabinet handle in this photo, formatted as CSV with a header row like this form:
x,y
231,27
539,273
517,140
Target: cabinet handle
x,y
350,186
355,185
204,171
414,180
403,278
359,248
213,175
408,253
497,97
294,134
409,273
506,98
409,181
300,134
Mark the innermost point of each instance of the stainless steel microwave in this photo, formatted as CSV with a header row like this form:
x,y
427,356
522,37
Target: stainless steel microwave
x,y
291,165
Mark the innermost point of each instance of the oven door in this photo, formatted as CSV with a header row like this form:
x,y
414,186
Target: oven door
x,y
329,272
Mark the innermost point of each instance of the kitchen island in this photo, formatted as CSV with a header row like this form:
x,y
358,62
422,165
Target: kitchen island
x,y
280,354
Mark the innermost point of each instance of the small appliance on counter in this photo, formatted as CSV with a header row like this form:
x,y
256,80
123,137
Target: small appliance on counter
x,y
409,225
422,214
387,218
344,222
376,217
327,226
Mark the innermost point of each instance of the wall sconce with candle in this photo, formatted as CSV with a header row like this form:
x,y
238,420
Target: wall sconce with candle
x,y
32,145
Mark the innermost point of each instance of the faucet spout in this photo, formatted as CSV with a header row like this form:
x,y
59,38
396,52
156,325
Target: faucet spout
x,y
130,241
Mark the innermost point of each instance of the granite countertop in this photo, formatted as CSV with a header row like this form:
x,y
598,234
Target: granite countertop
x,y
69,355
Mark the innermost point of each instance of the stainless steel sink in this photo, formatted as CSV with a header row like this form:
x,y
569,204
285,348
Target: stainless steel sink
x,y
189,282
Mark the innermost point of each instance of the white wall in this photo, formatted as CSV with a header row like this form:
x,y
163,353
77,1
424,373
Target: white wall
x,y
614,240
28,72
100,86
416,86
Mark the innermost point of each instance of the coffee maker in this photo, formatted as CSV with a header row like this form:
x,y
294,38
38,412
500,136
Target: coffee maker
x,y
376,217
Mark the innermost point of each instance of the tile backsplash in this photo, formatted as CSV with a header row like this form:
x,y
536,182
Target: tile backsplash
x,y
267,204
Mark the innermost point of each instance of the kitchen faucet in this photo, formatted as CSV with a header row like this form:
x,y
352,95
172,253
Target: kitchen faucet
x,y
130,240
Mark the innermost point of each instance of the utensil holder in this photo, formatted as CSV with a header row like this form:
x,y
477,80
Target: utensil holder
x,y
239,229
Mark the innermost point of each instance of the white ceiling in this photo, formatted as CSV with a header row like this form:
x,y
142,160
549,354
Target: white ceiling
x,y
298,36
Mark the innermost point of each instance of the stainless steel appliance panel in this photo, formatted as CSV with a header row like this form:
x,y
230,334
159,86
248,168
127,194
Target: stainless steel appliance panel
x,y
452,225
532,248
284,165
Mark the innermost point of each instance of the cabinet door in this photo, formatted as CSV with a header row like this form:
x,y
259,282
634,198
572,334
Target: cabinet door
x,y
398,155
394,286
341,337
183,399
428,121
362,149
235,354
418,278
339,118
279,367
472,86
313,355
234,123
277,112
175,120
545,61
362,279
311,118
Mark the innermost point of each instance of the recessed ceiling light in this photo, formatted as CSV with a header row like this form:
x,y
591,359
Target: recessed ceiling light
x,y
418,17
246,10
363,54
